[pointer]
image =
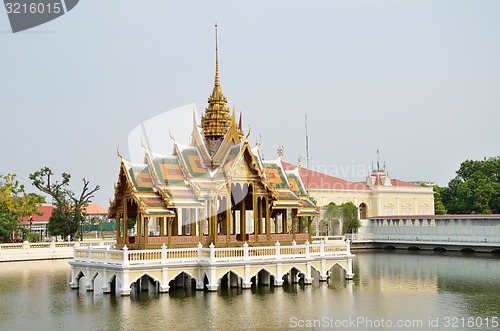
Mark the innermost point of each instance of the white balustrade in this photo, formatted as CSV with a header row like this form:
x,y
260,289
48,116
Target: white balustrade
x,y
211,254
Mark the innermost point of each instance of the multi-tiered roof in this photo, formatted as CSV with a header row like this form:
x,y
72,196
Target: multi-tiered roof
x,y
217,155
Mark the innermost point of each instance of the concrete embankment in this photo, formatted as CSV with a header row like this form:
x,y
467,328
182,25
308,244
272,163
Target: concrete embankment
x,y
27,251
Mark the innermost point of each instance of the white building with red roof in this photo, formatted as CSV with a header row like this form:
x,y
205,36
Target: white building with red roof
x,y
378,195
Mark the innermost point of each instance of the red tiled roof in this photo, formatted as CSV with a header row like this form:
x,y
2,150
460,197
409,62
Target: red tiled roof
x,y
318,181
93,209
46,213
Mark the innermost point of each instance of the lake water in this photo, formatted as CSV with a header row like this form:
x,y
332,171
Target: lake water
x,y
397,290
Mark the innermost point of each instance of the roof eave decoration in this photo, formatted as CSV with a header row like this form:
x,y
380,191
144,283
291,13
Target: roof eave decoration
x,y
152,170
198,141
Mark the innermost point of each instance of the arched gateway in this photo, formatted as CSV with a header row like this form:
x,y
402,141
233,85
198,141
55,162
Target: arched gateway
x,y
215,207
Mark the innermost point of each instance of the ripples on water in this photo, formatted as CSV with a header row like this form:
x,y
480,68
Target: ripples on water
x,y
395,285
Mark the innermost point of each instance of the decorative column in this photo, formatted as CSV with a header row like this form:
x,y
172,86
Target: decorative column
x,y
192,222
139,230
268,220
119,219
243,221
228,216
162,226
169,231
309,222
285,221
200,224
261,228
182,217
255,207
214,219
146,232
175,223
124,221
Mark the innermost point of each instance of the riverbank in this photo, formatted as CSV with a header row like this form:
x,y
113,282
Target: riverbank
x,y
27,251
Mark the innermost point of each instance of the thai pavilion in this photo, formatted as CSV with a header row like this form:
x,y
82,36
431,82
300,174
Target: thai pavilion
x,y
216,190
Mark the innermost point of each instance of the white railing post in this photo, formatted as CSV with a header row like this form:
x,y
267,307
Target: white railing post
x,y
245,251
26,245
307,248
89,256
53,244
125,255
322,247
348,246
200,246
163,253
278,255
106,250
74,253
212,252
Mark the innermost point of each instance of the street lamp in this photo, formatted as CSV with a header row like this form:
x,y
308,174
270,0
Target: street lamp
x,y
81,229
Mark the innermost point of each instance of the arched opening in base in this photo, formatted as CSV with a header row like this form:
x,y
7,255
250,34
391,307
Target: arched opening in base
x,y
182,281
230,280
294,276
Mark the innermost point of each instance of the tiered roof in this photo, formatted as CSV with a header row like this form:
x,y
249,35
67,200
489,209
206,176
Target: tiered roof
x,y
186,178
217,155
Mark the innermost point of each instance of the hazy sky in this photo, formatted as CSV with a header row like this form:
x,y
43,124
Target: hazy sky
x,y
420,79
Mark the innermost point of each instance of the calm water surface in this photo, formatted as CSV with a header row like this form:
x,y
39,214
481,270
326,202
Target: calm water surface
x,y
423,290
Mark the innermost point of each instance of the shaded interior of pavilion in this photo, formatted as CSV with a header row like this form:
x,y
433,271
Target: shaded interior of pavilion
x,y
250,215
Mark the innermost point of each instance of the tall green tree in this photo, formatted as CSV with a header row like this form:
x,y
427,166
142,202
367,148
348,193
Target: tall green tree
x,y
346,213
475,189
69,207
15,204
440,194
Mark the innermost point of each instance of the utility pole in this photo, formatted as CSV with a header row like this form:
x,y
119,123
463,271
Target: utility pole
x,y
307,153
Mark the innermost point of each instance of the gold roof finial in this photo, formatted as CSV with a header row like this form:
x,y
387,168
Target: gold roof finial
x,y
217,78
118,152
217,119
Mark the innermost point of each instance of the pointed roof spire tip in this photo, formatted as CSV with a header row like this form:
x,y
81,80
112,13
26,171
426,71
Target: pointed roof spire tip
x,y
217,78
217,119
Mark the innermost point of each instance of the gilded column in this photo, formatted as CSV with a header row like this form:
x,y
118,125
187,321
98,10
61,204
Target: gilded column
x,y
119,219
139,230
255,207
192,222
123,229
215,220
200,224
162,227
243,226
169,231
309,221
268,221
146,232
228,217
285,221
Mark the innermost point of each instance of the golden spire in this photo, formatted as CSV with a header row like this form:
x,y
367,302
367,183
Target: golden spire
x,y
217,78
216,120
